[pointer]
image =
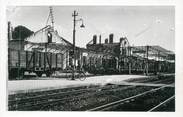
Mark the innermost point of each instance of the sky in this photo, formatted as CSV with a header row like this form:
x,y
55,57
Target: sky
x,y
142,25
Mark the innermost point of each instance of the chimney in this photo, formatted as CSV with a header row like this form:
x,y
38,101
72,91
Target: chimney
x,y
94,39
100,39
111,38
106,41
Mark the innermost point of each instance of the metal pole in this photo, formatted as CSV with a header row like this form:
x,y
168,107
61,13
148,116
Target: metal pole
x,y
19,53
74,32
129,56
158,69
147,60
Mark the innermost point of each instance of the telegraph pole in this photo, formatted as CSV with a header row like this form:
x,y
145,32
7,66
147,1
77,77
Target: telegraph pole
x,y
74,33
74,46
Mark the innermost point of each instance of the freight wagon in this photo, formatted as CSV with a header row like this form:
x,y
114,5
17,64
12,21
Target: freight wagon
x,y
99,63
21,61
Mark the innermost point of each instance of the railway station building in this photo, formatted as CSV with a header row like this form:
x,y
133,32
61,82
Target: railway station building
x,y
135,59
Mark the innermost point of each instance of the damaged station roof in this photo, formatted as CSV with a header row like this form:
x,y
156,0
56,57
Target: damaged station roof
x,y
155,52
39,41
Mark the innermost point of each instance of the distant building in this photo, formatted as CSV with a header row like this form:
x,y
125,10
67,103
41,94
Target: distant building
x,y
116,48
129,57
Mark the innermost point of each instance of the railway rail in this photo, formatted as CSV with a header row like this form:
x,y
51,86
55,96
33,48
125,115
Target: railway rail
x,y
153,79
161,104
42,101
110,105
62,96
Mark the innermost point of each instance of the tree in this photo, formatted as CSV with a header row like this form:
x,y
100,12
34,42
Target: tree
x,y
21,32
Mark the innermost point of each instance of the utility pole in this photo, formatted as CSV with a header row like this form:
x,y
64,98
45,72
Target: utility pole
x,y
74,34
147,60
75,14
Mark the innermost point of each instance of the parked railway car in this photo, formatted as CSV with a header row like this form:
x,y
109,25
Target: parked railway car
x,y
124,65
21,61
137,65
100,63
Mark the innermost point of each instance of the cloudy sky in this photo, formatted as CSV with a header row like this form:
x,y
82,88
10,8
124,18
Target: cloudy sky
x,y
142,25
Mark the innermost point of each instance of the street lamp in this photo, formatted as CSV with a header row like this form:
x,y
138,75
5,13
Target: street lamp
x,y
74,33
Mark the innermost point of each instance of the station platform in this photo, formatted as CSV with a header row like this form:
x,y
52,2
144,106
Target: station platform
x,y
42,84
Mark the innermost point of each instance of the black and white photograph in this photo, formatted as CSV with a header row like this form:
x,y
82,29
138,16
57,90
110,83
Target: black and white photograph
x,y
91,58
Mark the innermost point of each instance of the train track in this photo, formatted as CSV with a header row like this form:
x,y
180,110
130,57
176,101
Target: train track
x,y
108,95
164,81
41,101
114,104
18,100
36,101
152,79
158,107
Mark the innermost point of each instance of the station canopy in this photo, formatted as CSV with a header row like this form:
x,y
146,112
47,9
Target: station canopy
x,y
154,52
